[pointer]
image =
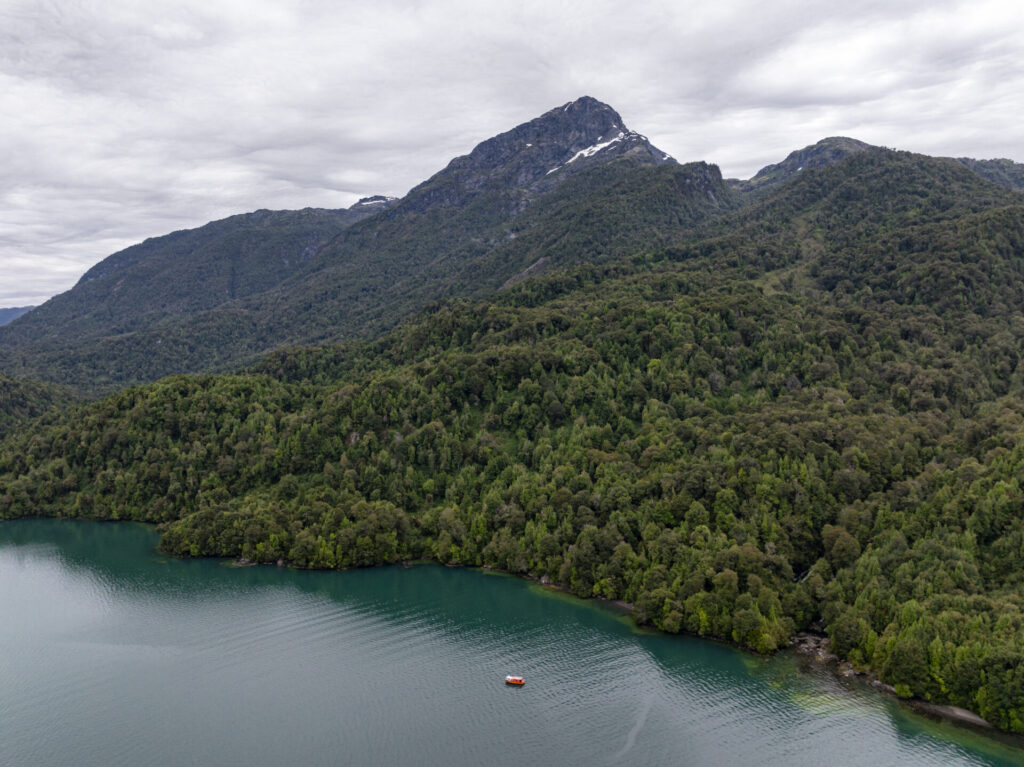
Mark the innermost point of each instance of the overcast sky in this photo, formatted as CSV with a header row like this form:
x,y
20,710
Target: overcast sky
x,y
121,120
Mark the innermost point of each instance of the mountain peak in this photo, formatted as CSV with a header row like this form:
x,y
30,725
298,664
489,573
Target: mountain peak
x,y
586,105
580,128
538,154
826,152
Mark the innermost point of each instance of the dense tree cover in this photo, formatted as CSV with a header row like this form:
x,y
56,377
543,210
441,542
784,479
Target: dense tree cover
x,y
874,200
124,306
1002,171
822,154
186,271
215,297
194,301
22,400
744,420
737,462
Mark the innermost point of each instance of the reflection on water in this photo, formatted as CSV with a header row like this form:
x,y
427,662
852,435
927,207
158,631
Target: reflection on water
x,y
113,654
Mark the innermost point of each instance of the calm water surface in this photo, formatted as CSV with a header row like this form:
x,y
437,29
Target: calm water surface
x,y
111,654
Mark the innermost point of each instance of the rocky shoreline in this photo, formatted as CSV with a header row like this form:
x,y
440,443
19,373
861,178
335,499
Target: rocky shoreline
x,y
815,646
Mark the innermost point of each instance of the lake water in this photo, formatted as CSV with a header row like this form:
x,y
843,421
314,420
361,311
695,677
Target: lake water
x,y
111,654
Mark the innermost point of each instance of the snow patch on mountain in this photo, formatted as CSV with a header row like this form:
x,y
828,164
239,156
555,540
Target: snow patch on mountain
x,y
590,151
377,199
593,149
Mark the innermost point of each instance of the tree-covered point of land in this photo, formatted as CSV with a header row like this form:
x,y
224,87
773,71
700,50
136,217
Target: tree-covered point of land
x,y
737,459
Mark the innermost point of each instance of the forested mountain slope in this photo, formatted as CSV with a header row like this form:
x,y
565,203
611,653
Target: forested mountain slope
x,y
573,185
12,313
1003,172
170,278
22,400
881,226
186,272
822,154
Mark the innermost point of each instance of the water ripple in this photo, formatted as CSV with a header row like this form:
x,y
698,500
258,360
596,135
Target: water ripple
x,y
112,657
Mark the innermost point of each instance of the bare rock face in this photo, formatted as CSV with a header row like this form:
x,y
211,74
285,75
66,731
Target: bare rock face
x,y
814,646
537,155
376,202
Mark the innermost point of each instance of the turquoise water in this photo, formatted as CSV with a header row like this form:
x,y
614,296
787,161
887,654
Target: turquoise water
x,y
111,654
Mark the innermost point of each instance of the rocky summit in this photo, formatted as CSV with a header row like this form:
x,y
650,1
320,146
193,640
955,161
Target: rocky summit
x,y
538,154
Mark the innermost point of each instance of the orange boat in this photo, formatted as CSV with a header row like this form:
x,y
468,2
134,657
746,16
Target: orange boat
x,y
516,680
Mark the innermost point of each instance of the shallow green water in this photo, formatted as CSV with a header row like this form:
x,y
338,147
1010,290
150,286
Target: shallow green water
x,y
111,654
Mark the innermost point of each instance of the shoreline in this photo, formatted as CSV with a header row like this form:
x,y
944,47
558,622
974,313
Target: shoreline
x,y
812,645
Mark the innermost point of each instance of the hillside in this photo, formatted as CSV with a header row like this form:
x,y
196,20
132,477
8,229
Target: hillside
x,y
172,278
822,154
12,313
810,411
22,401
572,185
882,226
1003,172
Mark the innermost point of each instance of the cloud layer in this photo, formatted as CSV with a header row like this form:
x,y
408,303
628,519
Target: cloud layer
x,y
124,120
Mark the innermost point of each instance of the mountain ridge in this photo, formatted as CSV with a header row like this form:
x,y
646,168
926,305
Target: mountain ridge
x,y
11,313
184,272
821,154
1001,171
573,185
524,158
477,207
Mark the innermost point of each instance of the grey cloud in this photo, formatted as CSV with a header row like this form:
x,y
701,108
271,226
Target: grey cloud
x,y
126,121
